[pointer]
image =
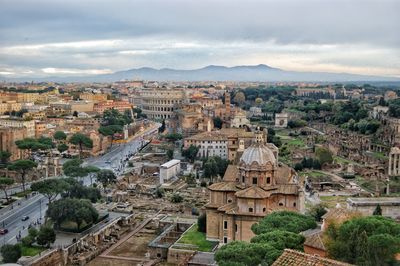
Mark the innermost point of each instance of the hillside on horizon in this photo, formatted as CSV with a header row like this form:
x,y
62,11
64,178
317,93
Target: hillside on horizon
x,y
260,73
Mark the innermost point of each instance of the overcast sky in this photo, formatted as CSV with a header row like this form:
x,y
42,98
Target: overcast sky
x,y
82,37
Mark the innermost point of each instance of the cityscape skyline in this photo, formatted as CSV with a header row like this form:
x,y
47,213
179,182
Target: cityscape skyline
x,y
52,38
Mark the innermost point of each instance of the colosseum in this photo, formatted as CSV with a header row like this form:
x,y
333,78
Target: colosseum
x,y
158,103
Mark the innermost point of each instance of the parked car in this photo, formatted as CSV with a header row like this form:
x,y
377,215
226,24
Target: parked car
x,y
24,218
3,231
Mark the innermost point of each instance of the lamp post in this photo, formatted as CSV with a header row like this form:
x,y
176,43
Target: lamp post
x,y
40,208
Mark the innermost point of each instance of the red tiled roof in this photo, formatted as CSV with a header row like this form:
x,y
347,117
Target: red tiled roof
x,y
315,241
296,258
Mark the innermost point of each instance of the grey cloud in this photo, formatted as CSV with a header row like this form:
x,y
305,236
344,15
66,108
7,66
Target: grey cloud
x,y
218,32
374,22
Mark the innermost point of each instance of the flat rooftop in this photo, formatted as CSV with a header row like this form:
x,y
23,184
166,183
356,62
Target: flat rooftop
x,y
394,201
171,163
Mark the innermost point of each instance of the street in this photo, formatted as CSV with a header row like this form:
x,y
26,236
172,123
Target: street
x,y
35,206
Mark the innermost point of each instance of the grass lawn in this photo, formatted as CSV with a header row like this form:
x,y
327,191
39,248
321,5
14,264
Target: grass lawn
x,y
331,201
296,142
22,194
344,160
284,137
312,173
316,176
31,251
194,237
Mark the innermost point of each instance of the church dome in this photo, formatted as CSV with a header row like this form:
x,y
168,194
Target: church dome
x,y
258,153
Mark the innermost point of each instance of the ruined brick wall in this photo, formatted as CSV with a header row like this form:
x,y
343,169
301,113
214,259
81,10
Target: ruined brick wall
x,y
55,258
179,256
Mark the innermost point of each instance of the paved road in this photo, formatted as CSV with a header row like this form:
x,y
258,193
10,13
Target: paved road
x,y
117,156
36,206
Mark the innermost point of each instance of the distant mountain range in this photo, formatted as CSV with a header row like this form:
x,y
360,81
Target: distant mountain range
x,y
215,73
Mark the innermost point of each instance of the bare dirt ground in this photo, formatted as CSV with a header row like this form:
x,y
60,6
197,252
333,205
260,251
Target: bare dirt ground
x,y
136,246
112,262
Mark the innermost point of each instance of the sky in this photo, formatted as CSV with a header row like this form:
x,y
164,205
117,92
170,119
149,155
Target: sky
x,y
85,37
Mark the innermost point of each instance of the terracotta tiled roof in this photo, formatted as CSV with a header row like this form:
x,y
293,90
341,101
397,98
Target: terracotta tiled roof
x,y
296,258
315,241
212,135
237,132
223,186
253,192
231,173
339,214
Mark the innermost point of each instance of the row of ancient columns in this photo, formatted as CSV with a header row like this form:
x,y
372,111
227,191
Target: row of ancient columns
x,y
394,164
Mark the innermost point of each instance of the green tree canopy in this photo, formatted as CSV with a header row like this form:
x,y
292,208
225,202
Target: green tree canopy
x,y
106,177
176,198
285,221
23,167
75,210
31,144
281,239
323,155
110,131
50,188
48,142
4,157
62,147
60,135
162,127
173,136
81,140
317,211
238,253
46,236
190,153
239,98
73,168
217,122
378,210
372,240
114,117
258,101
11,253
202,223
210,168
5,183
170,154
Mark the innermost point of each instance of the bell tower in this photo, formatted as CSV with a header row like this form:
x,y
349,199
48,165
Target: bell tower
x,y
227,105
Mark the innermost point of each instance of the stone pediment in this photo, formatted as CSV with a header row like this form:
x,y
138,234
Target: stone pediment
x,y
253,192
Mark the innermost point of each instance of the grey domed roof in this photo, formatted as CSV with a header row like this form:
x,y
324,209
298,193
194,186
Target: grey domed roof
x,y
258,153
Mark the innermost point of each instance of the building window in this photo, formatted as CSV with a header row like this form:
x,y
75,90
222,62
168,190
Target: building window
x,y
225,239
254,180
280,204
229,200
250,209
236,228
225,224
268,180
264,209
294,204
242,178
